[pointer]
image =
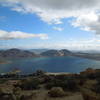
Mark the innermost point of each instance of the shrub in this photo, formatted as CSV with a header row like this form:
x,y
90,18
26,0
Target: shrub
x,y
56,92
16,91
29,84
49,85
97,87
2,81
39,72
31,96
89,95
70,85
8,97
1,92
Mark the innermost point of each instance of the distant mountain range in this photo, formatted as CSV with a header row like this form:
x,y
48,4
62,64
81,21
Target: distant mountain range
x,y
14,53
38,51
56,53
18,53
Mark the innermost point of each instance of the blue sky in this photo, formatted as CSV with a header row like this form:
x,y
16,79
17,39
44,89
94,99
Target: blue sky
x,y
57,35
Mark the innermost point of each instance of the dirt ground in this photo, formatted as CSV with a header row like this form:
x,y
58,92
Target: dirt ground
x,y
43,95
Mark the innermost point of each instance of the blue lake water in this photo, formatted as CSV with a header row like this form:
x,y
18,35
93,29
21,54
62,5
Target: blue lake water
x,y
50,64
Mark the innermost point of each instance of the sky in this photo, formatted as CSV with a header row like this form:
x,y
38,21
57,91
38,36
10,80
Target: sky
x,y
54,24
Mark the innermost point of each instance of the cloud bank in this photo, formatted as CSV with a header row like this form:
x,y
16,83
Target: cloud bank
x,y
72,44
5,35
86,13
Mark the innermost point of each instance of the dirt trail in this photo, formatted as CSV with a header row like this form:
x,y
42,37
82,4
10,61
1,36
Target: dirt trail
x,y
42,95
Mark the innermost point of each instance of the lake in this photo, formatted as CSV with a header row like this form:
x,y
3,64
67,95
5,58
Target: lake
x,y
49,64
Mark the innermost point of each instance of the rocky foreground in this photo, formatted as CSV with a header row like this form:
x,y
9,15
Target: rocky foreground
x,y
43,86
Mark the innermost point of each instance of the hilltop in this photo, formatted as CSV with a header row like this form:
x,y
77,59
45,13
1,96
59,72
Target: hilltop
x,y
13,53
53,53
19,53
10,53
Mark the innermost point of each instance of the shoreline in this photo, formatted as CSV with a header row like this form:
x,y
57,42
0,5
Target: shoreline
x,y
57,73
5,62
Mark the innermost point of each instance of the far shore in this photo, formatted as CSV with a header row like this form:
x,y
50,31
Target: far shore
x,y
5,62
58,73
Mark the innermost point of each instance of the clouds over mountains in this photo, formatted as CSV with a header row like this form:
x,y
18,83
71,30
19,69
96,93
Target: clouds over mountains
x,y
5,35
86,13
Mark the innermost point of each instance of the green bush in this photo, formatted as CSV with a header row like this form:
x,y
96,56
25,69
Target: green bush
x,y
68,85
56,92
29,84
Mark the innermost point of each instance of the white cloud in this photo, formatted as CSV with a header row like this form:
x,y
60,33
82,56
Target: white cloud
x,y
71,44
82,44
5,35
88,22
58,28
85,12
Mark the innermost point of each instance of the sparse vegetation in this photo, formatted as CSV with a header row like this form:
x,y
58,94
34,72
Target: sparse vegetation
x,y
40,84
29,84
67,84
